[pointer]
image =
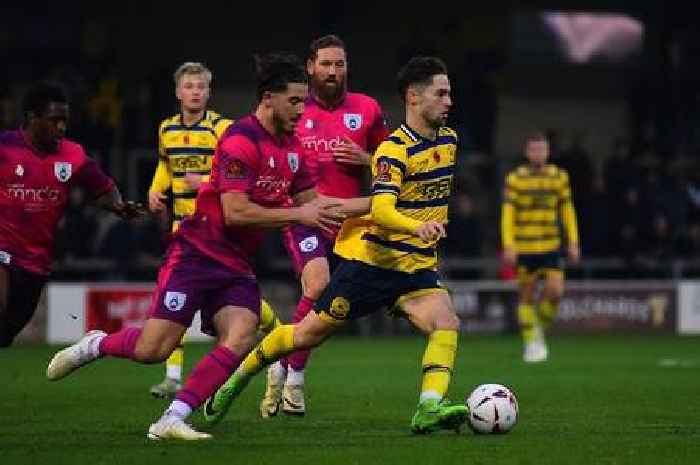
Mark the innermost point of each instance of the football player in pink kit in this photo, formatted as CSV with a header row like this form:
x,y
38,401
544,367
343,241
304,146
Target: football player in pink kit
x,y
258,181
340,130
38,167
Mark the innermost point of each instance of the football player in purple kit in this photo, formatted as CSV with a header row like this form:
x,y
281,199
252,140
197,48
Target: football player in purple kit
x,y
258,181
38,167
340,130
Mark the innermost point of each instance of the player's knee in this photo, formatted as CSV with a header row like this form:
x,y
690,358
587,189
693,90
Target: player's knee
x,y
314,287
239,344
448,322
150,353
553,291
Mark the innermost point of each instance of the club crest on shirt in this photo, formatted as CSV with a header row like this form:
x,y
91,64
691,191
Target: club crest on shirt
x,y
353,121
174,301
19,171
309,244
272,162
293,160
309,124
62,170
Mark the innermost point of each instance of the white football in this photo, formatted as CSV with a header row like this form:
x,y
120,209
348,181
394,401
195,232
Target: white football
x,y
493,408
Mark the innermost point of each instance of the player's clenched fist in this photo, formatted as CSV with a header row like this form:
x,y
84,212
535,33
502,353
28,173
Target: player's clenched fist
x,y
431,231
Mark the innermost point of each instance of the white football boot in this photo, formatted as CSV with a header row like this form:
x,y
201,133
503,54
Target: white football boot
x,y
73,357
535,351
172,427
270,403
293,400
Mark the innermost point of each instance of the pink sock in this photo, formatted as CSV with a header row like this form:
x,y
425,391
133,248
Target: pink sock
x,y
120,344
210,373
297,360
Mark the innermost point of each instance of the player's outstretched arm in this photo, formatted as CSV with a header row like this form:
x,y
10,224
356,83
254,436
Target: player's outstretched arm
x,y
112,201
356,206
239,210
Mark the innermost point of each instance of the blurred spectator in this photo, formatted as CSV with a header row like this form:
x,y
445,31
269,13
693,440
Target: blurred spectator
x,y
464,229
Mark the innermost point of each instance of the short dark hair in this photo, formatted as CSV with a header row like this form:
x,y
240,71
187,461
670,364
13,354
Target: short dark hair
x,y
419,70
327,41
38,97
274,71
536,136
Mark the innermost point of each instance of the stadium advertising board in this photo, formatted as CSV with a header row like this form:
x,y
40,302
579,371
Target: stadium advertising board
x,y
601,307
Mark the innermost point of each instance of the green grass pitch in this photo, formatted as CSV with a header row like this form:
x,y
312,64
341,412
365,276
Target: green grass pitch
x,y
599,400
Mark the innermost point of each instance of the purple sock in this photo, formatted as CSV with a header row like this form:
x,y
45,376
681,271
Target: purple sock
x,y
209,375
297,360
120,344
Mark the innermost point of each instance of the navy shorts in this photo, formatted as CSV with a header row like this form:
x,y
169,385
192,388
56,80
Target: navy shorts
x,y
538,265
357,289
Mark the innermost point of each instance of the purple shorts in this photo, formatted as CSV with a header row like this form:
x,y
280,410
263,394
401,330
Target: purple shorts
x,y
191,281
305,243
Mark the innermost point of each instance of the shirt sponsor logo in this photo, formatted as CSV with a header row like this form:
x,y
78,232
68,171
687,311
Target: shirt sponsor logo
x,y
309,244
174,301
19,171
273,184
29,194
63,170
321,145
5,257
353,121
293,160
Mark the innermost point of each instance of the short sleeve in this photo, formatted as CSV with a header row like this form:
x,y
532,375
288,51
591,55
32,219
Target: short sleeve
x,y
510,192
389,165
235,165
564,187
92,179
161,143
221,125
304,178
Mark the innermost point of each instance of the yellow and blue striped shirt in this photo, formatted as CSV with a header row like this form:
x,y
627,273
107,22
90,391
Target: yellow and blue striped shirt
x,y
186,149
419,172
535,206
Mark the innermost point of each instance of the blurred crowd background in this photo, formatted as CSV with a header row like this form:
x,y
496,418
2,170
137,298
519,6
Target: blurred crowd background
x,y
616,86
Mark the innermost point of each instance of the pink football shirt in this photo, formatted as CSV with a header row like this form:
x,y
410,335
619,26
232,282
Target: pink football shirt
x,y
320,129
248,159
34,189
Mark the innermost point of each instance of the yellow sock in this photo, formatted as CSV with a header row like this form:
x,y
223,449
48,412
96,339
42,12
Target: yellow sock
x,y
268,318
173,365
547,312
529,323
438,361
274,346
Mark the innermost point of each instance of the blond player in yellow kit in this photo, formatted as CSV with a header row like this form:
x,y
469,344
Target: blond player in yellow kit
x,y
186,144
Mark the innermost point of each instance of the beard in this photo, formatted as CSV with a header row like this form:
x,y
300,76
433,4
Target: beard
x,y
435,122
326,91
